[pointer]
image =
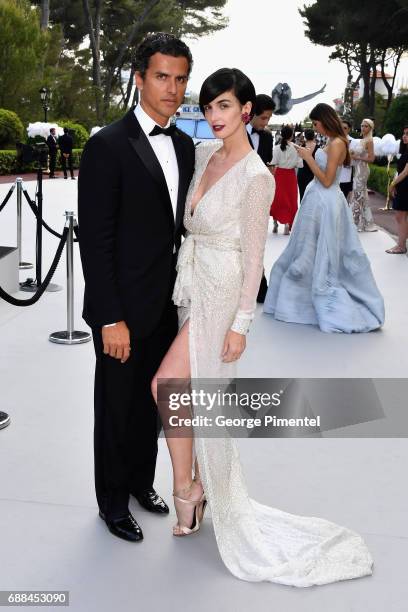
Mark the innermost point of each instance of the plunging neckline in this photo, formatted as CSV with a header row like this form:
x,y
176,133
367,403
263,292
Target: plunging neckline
x,y
192,211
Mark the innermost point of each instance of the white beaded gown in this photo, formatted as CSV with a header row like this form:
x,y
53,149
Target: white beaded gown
x,y
220,266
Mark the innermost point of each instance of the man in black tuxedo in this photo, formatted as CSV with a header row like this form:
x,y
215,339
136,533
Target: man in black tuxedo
x,y
134,177
261,140
66,144
52,151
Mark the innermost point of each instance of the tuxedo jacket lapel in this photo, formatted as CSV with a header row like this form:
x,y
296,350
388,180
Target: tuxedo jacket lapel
x,y
183,179
143,149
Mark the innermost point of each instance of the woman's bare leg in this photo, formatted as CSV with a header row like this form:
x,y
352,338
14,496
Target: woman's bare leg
x,y
402,223
176,365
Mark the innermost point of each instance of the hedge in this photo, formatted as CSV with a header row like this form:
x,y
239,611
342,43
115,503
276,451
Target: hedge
x,y
11,128
9,163
378,179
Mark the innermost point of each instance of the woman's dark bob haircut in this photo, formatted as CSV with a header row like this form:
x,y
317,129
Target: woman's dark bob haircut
x,y
228,79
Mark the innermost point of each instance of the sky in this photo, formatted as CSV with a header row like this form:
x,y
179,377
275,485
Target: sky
x,y
266,40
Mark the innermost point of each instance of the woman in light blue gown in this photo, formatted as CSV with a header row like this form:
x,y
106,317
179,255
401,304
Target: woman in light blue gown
x,y
324,277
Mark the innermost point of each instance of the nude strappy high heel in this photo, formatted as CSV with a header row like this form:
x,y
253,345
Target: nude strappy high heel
x,y
199,509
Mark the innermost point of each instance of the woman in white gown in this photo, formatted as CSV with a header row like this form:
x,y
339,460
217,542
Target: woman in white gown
x,y
219,270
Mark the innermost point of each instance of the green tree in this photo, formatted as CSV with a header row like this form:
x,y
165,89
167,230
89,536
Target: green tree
x,y
11,129
22,49
397,116
360,113
200,17
366,36
115,28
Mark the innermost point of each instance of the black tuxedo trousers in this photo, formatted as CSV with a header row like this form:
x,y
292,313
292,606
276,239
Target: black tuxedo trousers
x,y
127,422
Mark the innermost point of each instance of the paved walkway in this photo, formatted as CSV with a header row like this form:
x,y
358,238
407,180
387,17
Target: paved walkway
x,y
51,535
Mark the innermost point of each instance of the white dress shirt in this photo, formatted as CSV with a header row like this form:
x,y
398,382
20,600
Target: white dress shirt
x,y
254,137
163,147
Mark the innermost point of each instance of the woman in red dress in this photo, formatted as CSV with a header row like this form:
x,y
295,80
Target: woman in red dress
x,y
285,160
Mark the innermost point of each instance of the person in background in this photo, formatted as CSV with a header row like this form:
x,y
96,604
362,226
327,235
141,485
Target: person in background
x,y
346,176
285,160
52,151
324,277
305,175
300,139
399,192
66,144
362,156
261,140
260,137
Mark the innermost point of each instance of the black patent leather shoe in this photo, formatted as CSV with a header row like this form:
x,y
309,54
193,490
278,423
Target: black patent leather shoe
x,y
125,527
150,500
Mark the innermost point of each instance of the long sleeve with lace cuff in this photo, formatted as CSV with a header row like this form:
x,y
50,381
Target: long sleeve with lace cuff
x,y
254,219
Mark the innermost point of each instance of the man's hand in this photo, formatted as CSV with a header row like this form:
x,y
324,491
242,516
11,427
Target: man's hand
x,y
116,341
234,346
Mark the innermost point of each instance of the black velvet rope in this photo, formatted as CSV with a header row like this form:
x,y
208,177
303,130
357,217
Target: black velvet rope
x,y
8,196
34,208
16,302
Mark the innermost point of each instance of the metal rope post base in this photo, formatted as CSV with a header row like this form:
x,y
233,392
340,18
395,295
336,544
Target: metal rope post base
x,y
31,286
23,265
4,420
70,336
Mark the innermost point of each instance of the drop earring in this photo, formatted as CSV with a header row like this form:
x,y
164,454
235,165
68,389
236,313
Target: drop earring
x,y
245,118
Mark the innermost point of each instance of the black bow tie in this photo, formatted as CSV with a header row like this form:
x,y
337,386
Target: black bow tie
x,y
255,131
169,131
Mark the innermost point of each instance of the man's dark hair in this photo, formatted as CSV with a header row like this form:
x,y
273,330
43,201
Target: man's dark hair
x,y
348,121
66,130
263,103
160,42
227,79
